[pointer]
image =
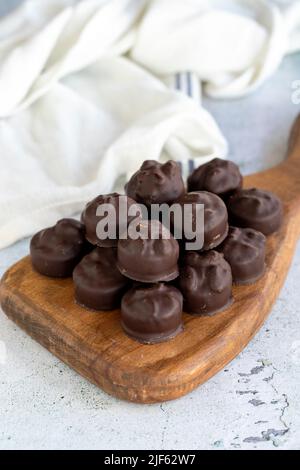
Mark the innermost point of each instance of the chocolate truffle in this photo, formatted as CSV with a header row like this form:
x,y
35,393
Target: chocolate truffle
x,y
55,251
215,217
152,314
90,218
244,249
98,283
152,258
205,282
218,176
257,209
156,183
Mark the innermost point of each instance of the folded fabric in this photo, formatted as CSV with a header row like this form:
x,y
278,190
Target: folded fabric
x,y
92,127
232,52
88,91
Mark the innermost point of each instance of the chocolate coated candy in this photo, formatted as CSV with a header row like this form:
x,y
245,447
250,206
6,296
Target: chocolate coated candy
x,y
90,218
257,209
156,183
215,217
218,176
205,282
244,249
152,314
98,283
149,260
55,251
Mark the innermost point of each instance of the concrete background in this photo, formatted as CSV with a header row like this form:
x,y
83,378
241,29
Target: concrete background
x,y
254,403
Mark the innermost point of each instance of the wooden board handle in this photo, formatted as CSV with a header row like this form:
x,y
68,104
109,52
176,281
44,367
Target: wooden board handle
x,y
289,172
294,142
284,179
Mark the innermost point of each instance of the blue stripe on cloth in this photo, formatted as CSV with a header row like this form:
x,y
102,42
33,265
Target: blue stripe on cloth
x,y
184,83
191,164
178,81
189,84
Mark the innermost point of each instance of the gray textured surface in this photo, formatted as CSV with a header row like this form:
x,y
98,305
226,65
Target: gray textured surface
x,y
253,403
7,5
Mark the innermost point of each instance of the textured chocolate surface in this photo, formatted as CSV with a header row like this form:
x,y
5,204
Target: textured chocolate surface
x,y
244,249
156,183
90,219
215,216
205,282
55,251
98,283
152,313
218,176
257,209
149,260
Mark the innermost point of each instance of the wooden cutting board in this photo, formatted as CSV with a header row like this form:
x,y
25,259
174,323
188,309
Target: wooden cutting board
x,y
95,346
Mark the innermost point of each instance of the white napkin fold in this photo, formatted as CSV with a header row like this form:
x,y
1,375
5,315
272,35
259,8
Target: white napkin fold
x,y
231,51
84,96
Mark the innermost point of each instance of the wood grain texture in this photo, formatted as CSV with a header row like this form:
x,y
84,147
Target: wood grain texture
x,y
95,346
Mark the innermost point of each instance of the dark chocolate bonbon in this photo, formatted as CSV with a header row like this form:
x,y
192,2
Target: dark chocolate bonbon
x,y
257,209
156,183
55,251
98,283
245,251
215,217
152,313
218,176
206,283
149,260
90,218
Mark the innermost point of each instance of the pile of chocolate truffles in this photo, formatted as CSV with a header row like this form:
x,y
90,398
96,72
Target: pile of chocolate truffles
x,y
154,280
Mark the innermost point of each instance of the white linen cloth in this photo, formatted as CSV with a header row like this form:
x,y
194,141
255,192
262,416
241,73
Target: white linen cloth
x,y
84,95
